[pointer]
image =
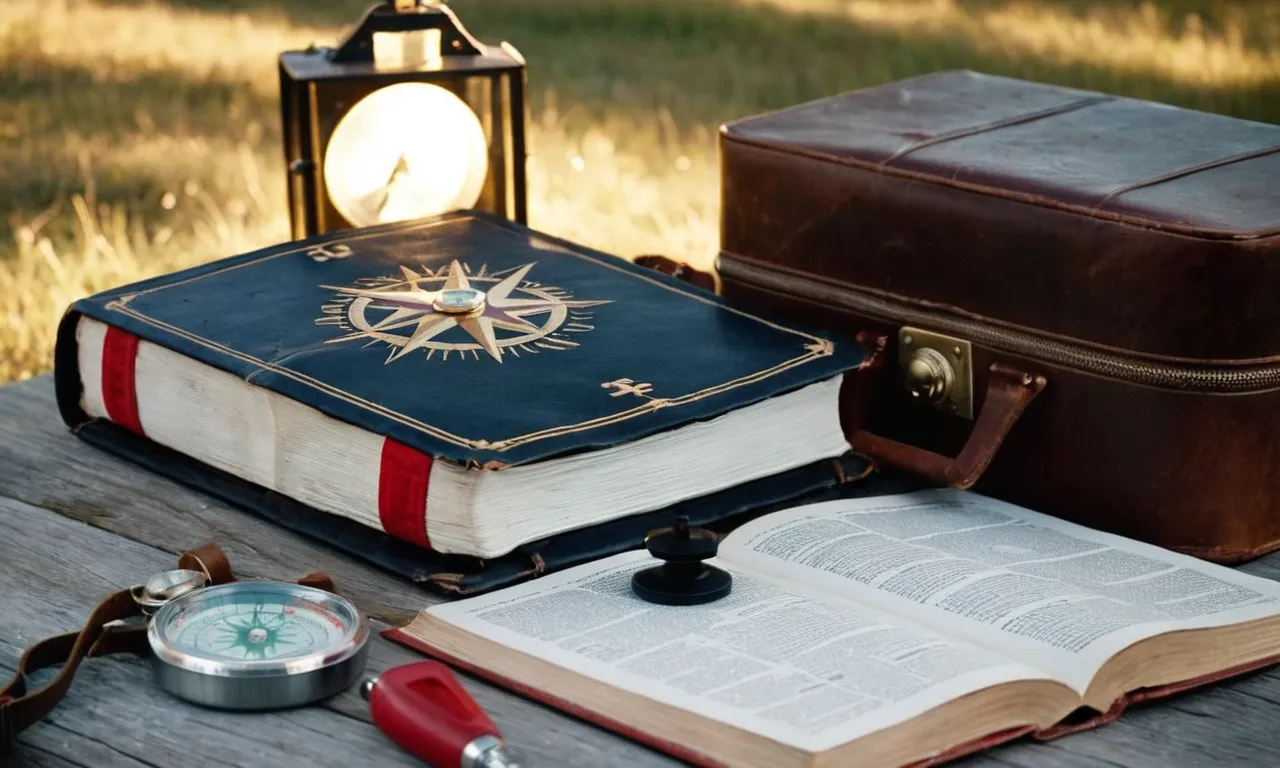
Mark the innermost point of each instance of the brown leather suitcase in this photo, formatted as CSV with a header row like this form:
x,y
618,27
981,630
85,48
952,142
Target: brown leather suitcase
x,y
1077,292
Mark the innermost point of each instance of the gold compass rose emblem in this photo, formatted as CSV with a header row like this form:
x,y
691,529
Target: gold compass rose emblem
x,y
452,311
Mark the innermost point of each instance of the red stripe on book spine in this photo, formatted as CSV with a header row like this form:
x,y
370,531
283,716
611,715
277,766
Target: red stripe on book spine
x,y
402,492
119,385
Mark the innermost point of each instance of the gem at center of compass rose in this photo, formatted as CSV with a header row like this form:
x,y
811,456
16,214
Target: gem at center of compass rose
x,y
459,303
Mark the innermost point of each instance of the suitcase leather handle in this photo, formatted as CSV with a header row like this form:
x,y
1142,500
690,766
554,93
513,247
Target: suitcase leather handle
x,y
1009,392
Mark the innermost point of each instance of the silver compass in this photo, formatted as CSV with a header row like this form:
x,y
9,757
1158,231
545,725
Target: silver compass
x,y
254,645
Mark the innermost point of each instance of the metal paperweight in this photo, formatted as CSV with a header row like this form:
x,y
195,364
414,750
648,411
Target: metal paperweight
x,y
682,579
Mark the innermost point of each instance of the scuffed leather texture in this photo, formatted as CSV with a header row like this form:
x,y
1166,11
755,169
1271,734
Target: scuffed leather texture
x,y
1193,473
273,317
1198,474
1137,159
459,576
1122,223
1108,223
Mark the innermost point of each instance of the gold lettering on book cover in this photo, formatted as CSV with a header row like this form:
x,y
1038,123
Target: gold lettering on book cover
x,y
324,253
628,387
821,348
640,389
455,310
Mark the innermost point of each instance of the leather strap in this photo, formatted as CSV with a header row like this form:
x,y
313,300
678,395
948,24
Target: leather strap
x,y
209,558
1009,392
107,630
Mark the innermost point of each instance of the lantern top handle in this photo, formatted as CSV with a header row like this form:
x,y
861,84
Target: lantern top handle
x,y
406,16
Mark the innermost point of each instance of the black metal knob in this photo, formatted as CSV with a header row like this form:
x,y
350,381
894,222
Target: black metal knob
x,y
683,578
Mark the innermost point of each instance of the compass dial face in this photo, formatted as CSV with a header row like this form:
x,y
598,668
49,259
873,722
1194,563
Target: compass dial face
x,y
249,622
405,151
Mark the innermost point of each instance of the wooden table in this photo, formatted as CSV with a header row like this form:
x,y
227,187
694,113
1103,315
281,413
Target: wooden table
x,y
76,524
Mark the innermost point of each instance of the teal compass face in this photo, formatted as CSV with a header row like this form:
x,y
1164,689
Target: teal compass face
x,y
247,621
257,644
257,626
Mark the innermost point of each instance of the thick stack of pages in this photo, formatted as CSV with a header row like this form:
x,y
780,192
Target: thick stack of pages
x,y
464,384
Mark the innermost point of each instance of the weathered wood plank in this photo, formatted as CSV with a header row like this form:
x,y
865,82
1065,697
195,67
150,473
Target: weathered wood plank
x,y
42,464
116,704
1267,567
1031,754
34,756
56,569
53,744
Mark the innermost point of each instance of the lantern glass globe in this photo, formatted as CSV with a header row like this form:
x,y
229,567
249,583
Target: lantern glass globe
x,y
405,151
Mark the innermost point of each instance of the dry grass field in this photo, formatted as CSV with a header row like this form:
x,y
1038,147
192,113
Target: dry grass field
x,y
138,136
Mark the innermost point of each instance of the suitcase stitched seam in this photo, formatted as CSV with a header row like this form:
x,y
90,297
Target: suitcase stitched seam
x,y
995,125
813,290
1175,175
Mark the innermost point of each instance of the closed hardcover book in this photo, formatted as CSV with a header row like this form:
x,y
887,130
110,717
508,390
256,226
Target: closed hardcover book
x,y
457,388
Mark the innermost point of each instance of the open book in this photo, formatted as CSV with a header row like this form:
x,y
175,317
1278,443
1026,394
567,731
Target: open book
x,y
884,631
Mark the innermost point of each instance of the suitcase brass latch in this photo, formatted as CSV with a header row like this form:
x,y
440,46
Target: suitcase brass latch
x,y
937,370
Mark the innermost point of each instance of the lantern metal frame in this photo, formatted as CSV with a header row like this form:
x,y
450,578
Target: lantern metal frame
x,y
319,85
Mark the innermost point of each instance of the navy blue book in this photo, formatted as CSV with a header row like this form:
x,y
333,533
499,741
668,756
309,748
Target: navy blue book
x,y
456,397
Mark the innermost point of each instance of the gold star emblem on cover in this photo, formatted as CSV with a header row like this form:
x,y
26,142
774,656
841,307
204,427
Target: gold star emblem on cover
x,y
452,310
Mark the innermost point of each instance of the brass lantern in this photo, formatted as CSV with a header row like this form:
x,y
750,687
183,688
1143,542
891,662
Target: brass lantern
x,y
407,117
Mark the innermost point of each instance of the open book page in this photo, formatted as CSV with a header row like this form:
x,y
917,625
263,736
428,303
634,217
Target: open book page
x,y
1059,596
766,658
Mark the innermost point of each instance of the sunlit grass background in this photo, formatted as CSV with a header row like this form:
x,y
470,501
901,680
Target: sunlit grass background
x,y
141,136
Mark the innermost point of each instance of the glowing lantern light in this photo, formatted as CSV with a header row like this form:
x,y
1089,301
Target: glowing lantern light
x,y
408,117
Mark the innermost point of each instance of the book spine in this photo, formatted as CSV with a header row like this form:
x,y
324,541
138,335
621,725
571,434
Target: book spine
x,y
404,473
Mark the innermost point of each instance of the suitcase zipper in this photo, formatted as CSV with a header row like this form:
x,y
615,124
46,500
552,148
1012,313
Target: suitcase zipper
x,y
1220,380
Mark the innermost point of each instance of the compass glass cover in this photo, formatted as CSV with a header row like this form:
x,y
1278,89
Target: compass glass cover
x,y
405,151
247,622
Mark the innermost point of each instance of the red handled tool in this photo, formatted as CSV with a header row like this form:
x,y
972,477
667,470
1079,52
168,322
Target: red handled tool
x,y
424,709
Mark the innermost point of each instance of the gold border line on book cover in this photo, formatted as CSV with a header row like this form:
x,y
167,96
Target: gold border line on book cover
x,y
816,349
